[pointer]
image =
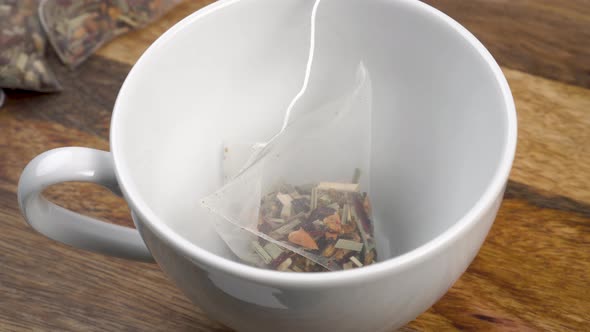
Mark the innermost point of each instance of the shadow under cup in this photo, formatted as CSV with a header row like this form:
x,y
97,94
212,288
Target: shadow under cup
x,y
439,126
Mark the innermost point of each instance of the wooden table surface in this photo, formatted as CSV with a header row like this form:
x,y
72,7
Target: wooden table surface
x,y
533,272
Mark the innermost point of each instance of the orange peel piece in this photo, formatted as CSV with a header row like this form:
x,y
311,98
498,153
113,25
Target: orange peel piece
x,y
302,238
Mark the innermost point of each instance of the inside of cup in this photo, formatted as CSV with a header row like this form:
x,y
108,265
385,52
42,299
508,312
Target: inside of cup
x,y
229,72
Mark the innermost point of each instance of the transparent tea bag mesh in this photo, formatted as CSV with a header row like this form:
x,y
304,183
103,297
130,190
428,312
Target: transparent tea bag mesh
x,y
76,29
325,137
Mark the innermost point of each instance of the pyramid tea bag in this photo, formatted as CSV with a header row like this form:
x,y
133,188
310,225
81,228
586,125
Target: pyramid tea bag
x,y
22,49
77,28
300,201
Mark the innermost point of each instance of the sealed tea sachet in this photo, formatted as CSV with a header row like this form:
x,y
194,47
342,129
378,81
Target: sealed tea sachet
x,y
22,49
76,28
300,202
332,219
301,205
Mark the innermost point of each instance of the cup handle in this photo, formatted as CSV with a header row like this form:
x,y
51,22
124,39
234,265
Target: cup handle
x,y
76,164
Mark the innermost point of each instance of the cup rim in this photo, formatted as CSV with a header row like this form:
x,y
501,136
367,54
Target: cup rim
x,y
335,278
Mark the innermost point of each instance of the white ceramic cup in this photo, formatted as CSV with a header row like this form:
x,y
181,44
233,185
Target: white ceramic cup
x,y
444,137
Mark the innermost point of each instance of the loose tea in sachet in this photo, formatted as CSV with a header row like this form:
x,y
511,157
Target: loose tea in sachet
x,y
301,201
76,28
329,220
22,48
298,204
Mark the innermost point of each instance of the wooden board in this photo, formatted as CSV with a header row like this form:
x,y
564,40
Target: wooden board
x,y
531,274
543,37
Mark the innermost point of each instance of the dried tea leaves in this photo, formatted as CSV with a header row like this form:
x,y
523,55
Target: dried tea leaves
x,y
330,221
22,49
76,28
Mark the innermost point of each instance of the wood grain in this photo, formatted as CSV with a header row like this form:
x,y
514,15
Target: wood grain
x,y
543,37
553,150
532,271
47,286
531,274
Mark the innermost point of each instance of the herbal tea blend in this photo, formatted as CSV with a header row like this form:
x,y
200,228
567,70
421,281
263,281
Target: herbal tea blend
x,y
76,28
291,206
249,209
22,49
330,220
